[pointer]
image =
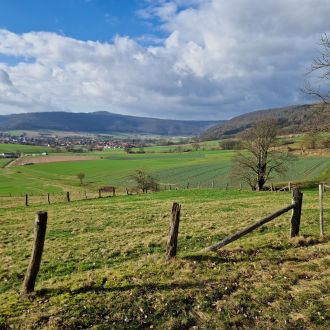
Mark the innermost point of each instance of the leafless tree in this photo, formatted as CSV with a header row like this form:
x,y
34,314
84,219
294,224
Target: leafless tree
x,y
321,66
144,181
260,159
81,177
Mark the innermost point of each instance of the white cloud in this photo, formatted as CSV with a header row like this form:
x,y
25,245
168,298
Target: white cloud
x,y
220,58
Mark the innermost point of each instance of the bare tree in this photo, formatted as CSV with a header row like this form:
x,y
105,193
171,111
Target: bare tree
x,y
81,177
321,66
196,146
144,181
260,160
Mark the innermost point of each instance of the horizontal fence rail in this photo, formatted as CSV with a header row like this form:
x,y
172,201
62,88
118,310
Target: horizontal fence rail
x,y
295,221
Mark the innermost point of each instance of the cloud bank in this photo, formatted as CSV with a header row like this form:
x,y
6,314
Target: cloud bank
x,y
219,59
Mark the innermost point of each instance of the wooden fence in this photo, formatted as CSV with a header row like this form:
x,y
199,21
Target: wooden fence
x,y
110,191
295,221
172,242
50,198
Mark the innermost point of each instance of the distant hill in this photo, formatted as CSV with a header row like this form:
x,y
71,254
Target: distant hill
x,y
101,122
294,119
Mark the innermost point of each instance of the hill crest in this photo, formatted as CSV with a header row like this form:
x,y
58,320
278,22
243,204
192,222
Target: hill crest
x,y
292,119
101,122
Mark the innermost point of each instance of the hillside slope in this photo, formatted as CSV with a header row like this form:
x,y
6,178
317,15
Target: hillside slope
x,y
294,119
101,122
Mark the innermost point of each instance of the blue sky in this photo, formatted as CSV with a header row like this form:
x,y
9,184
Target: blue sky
x,y
81,19
180,59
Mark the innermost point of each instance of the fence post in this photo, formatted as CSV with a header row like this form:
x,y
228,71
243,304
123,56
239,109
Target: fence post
x,y
212,183
68,196
172,241
114,191
48,198
240,186
126,191
321,190
38,246
85,194
226,186
187,185
100,194
26,200
297,198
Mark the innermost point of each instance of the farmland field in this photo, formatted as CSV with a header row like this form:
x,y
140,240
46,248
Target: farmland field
x,y
104,266
23,148
198,168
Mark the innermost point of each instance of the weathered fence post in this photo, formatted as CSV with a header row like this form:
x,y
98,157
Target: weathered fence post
x,y
321,190
240,187
172,241
126,191
38,246
289,186
85,194
48,198
68,196
100,193
114,191
226,186
297,198
212,183
26,200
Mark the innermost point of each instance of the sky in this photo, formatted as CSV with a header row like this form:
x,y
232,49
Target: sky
x,y
178,59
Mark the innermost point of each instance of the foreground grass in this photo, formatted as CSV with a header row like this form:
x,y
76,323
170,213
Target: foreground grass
x,y
104,267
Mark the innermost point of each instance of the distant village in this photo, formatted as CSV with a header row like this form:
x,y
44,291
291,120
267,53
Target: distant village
x,y
73,143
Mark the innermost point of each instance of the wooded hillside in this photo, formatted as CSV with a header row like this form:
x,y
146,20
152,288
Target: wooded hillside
x,y
294,119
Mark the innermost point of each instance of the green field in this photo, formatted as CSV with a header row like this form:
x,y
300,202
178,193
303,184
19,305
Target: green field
x,y
198,169
103,265
23,148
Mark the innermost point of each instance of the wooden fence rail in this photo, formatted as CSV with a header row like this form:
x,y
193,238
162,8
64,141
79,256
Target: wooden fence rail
x,y
295,221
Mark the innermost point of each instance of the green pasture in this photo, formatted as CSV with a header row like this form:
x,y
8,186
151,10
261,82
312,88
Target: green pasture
x,y
104,264
23,148
198,169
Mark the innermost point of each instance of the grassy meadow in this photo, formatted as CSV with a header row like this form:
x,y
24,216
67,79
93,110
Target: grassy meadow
x,y
104,268
197,168
23,148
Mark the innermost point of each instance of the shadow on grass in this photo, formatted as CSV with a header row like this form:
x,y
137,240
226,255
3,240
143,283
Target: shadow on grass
x,y
141,288
267,251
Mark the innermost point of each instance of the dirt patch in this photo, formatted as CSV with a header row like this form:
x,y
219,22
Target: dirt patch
x,y
50,159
